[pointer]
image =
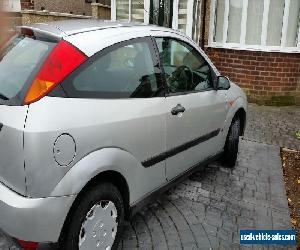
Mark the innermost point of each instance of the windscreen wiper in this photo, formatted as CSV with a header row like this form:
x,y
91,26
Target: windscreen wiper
x,y
3,97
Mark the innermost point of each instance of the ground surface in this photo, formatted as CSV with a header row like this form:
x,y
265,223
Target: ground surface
x,y
274,125
208,209
291,170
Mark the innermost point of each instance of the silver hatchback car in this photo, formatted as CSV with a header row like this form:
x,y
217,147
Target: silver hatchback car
x,y
98,118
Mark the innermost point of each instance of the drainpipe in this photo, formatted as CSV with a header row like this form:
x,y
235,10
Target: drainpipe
x,y
204,24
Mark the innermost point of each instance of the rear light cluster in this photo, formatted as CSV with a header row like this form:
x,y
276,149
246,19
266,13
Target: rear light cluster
x,y
62,61
28,245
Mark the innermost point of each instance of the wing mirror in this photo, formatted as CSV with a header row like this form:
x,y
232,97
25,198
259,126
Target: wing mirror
x,y
222,83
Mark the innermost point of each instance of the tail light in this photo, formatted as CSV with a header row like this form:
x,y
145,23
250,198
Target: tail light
x,y
28,245
62,61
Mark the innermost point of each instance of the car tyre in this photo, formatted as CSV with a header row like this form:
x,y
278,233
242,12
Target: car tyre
x,y
100,198
232,143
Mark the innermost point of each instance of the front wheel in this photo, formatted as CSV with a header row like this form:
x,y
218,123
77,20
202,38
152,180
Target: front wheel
x,y
97,220
232,143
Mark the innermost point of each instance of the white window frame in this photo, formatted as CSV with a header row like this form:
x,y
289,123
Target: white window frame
x,y
11,5
190,20
146,10
190,9
113,10
195,23
242,45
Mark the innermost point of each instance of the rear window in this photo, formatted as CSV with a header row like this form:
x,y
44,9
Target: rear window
x,y
19,62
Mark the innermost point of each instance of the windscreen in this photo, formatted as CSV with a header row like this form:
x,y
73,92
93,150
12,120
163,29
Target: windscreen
x,y
19,60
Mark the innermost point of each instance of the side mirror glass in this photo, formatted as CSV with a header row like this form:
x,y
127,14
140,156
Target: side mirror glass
x,y
223,83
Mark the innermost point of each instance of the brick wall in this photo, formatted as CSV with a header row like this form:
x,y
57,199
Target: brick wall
x,y
76,7
27,4
267,78
13,19
33,16
101,11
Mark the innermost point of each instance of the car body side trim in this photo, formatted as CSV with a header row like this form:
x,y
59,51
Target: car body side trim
x,y
174,151
152,196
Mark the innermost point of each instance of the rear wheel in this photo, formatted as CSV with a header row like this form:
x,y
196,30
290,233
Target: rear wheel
x,y
232,143
97,221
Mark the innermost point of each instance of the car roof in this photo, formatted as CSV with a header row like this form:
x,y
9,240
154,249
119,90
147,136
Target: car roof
x,y
92,35
65,28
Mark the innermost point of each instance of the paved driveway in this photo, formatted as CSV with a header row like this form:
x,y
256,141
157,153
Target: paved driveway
x,y
274,125
209,208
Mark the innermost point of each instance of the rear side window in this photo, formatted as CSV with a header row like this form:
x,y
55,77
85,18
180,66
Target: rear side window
x,y
125,70
19,60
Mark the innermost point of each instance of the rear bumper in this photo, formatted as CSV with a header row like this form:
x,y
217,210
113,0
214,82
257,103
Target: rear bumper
x,y
38,220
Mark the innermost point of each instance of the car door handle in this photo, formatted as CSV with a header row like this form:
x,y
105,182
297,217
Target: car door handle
x,y
178,109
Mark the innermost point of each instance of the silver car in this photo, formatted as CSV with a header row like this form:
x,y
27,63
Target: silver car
x,y
97,119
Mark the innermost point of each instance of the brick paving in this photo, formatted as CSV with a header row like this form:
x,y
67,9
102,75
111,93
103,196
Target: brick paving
x,y
6,243
208,209
274,125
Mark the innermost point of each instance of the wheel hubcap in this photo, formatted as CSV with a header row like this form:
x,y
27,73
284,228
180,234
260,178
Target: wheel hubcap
x,y
99,229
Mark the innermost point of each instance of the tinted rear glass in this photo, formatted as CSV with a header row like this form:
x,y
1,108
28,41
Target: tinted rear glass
x,y
19,60
124,70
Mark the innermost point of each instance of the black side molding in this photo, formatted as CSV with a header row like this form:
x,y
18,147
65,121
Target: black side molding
x,y
172,152
152,196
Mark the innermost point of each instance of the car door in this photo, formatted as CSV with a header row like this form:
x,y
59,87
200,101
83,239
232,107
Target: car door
x,y
196,111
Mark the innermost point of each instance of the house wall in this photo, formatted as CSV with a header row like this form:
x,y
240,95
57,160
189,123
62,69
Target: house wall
x,y
12,19
77,7
33,16
100,11
269,78
6,25
27,4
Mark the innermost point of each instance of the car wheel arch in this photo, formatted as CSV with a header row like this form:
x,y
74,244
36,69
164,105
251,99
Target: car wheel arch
x,y
113,177
93,165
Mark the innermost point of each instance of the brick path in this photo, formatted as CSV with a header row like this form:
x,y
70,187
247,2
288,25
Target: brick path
x,y
274,125
209,208
6,243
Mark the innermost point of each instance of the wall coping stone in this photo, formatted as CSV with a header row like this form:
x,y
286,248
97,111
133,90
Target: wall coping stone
x,y
48,13
101,5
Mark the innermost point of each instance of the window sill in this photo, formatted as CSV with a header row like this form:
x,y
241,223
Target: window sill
x,y
257,48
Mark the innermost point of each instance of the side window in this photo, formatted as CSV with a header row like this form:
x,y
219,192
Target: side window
x,y
185,68
125,70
